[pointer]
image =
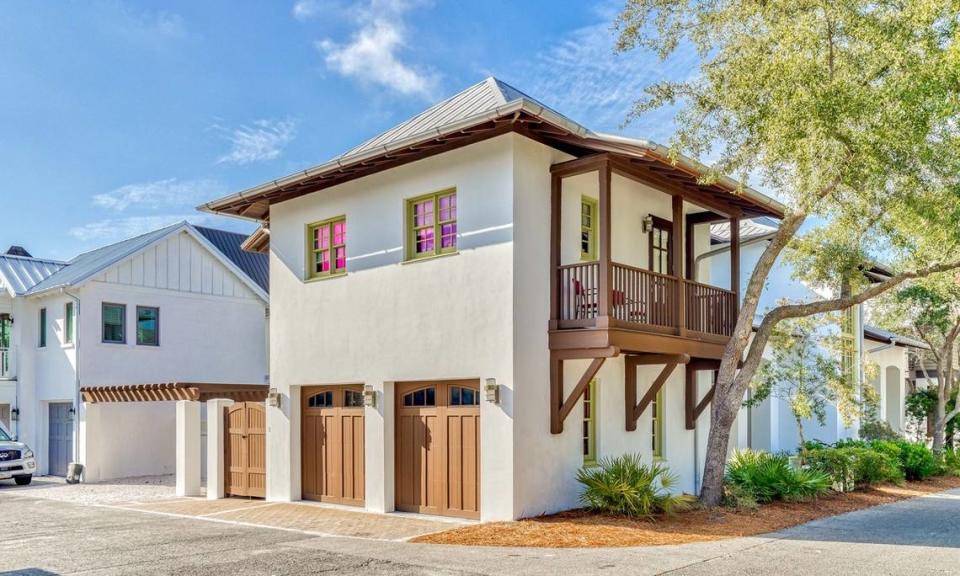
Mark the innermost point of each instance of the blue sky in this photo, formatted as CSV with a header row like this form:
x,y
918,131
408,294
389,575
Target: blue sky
x,y
118,117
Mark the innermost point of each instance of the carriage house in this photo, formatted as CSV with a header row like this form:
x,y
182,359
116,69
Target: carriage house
x,y
473,305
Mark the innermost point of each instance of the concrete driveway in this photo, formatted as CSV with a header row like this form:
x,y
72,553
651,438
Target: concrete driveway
x,y
42,536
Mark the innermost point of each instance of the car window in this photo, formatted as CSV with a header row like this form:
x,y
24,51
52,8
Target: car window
x,y
3,436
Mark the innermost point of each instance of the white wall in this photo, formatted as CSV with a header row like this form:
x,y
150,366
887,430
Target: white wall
x,y
889,381
387,321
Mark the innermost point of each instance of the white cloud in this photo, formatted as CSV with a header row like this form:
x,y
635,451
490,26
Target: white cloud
x,y
262,140
372,54
159,193
112,230
304,10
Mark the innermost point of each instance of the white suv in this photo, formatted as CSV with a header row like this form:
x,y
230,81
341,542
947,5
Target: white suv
x,y
16,460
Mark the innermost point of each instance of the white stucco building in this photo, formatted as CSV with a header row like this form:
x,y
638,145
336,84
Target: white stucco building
x,y
180,304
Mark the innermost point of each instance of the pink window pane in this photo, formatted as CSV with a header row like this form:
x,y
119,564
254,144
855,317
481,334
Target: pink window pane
x,y
424,240
341,258
339,233
448,208
448,235
423,213
321,237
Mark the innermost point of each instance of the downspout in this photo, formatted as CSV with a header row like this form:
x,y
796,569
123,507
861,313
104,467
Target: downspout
x,y
76,371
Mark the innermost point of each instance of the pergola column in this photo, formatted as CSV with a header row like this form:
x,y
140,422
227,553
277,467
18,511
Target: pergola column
x,y
188,448
216,443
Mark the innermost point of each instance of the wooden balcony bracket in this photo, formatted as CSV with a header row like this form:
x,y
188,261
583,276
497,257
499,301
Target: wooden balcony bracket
x,y
560,408
692,407
633,409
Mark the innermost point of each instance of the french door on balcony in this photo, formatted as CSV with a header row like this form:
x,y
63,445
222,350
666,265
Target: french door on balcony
x,y
661,247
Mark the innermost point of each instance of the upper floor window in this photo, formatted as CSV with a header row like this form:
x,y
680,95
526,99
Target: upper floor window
x,y
148,326
432,224
661,246
590,424
113,317
588,228
68,323
42,342
327,248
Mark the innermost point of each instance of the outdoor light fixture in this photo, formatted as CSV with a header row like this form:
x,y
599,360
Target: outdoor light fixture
x,y
273,398
647,223
15,414
491,390
71,414
369,396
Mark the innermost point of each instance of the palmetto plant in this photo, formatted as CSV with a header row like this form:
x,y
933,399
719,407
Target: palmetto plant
x,y
769,477
625,485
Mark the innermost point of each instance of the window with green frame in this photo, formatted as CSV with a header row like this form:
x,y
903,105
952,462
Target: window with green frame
x,y
432,224
327,248
590,424
43,328
68,323
588,228
656,429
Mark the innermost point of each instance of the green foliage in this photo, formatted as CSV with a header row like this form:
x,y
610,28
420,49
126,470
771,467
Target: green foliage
x,y
918,405
764,477
951,462
625,485
916,460
855,467
878,430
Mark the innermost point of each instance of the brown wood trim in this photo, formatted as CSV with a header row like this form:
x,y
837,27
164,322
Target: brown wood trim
x,y
556,203
676,262
559,411
632,409
587,353
582,165
632,341
735,264
695,195
174,391
692,407
605,256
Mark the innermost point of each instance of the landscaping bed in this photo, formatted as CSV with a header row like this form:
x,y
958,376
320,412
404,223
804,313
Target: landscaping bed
x,y
585,529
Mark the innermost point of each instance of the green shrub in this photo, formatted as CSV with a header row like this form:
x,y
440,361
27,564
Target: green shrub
x,y
878,430
625,485
851,443
951,462
855,467
915,460
767,477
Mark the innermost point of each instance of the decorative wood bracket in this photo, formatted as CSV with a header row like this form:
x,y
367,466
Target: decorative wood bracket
x,y
560,408
633,410
693,408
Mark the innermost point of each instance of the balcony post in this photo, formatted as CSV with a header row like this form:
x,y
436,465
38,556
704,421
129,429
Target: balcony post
x,y
735,266
676,253
556,189
605,258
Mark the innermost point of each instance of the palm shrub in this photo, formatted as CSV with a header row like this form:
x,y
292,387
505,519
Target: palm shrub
x,y
767,477
625,485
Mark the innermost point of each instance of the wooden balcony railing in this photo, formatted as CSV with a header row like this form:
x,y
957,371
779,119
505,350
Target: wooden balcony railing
x,y
644,298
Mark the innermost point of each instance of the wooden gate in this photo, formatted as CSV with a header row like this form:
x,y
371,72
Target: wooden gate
x,y
332,444
245,459
438,448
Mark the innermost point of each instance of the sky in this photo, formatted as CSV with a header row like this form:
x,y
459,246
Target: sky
x,y
119,117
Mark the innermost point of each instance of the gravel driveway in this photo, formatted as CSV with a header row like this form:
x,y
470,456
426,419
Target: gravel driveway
x,y
141,489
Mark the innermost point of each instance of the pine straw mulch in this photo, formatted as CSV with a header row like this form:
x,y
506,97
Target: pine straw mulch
x,y
582,529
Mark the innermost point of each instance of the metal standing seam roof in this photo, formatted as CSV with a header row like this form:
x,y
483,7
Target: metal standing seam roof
x,y
720,231
881,335
21,273
255,265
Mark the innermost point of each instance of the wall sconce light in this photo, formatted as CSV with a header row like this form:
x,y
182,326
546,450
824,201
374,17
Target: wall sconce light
x,y
491,391
14,414
273,398
71,414
369,396
647,224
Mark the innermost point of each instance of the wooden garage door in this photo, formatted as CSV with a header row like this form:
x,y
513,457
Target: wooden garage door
x,y
332,444
246,450
438,448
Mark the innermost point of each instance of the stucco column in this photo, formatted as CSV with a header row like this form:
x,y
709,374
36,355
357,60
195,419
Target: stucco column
x,y
216,442
90,431
188,448
378,454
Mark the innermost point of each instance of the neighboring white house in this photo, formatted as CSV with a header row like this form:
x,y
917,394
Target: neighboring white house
x,y
471,306
179,304
772,426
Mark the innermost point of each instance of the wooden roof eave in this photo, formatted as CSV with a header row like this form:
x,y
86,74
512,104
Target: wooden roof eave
x,y
174,391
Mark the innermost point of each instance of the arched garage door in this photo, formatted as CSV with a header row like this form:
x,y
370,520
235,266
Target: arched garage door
x,y
332,444
438,448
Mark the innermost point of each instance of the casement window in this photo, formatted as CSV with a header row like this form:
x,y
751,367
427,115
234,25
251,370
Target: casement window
x,y
114,318
432,225
590,424
588,228
148,326
656,429
42,342
661,246
327,248
68,323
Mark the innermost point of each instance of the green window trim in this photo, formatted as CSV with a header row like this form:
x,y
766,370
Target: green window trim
x,y
656,413
314,250
589,209
68,323
590,425
433,242
42,343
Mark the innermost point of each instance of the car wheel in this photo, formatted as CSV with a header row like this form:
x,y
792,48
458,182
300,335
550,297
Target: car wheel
x,y
23,480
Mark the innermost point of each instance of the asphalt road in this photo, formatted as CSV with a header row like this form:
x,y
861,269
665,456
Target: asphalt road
x,y
41,537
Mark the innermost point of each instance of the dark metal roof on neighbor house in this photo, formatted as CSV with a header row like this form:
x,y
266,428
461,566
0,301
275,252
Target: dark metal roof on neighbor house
x,y
887,337
18,251
254,265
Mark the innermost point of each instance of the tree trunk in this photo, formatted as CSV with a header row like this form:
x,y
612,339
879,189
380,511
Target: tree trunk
x,y
940,421
711,487
803,441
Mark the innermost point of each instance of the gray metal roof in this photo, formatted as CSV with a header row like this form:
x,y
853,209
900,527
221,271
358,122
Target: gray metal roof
x,y
20,273
254,265
485,96
89,263
720,231
881,335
